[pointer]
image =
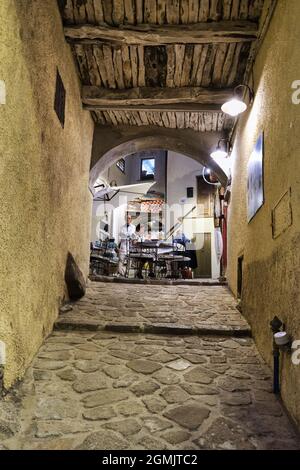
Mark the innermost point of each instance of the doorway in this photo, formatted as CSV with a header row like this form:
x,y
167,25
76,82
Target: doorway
x,y
203,253
205,198
240,276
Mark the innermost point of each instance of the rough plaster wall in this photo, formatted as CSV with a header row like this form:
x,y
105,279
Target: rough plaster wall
x,y
271,278
44,169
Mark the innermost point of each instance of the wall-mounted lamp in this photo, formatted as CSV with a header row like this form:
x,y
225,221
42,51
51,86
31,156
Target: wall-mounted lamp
x,y
219,152
237,105
212,179
220,156
281,341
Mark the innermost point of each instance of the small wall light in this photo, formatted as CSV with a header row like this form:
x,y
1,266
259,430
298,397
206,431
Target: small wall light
x,y
2,92
219,153
2,354
237,105
282,338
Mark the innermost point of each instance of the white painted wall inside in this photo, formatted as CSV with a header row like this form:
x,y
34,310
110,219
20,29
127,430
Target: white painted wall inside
x,y
182,173
116,210
133,164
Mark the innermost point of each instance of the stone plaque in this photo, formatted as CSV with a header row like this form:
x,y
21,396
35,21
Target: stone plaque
x,y
282,215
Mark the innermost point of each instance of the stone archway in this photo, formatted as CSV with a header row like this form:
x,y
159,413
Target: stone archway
x,y
112,143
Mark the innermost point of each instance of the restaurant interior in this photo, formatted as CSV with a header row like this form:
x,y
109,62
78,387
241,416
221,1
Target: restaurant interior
x,y
150,222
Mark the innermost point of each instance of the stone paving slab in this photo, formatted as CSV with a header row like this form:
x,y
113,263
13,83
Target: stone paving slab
x,y
101,390
156,309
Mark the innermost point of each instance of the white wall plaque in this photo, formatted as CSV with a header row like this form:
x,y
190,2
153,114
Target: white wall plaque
x,y
2,92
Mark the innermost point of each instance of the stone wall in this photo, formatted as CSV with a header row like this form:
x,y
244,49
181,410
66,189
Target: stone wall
x,y
44,196
271,274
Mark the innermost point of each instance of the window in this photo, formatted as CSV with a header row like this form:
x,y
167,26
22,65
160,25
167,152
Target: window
x,y
121,165
147,168
190,192
60,99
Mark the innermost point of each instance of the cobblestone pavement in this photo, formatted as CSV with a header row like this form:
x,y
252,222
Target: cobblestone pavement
x,y
151,308
98,390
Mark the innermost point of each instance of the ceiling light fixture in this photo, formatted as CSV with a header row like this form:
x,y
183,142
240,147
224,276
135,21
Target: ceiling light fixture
x,y
237,105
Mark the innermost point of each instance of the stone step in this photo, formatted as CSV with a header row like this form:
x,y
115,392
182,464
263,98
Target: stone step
x,y
157,328
159,282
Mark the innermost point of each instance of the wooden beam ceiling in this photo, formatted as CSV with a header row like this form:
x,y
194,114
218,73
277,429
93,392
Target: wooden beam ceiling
x,y
163,63
155,35
143,97
197,121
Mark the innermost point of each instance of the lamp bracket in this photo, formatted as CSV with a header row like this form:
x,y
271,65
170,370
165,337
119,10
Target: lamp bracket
x,y
242,86
223,140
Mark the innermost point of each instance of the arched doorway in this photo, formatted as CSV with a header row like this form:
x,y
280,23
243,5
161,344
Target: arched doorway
x,y
110,144
201,229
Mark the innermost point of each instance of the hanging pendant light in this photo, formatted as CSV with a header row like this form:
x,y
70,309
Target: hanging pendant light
x,y
237,105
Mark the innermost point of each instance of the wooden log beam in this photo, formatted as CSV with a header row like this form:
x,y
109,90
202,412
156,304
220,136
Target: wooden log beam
x,y
178,107
154,35
264,23
147,96
269,8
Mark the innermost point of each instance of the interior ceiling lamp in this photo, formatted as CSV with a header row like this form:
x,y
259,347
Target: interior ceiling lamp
x,y
219,152
237,105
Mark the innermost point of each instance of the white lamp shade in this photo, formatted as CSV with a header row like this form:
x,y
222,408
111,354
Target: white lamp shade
x,y
222,162
234,107
281,338
219,154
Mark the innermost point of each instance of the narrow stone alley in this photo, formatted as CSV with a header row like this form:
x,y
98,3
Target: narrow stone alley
x,y
203,387
150,227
